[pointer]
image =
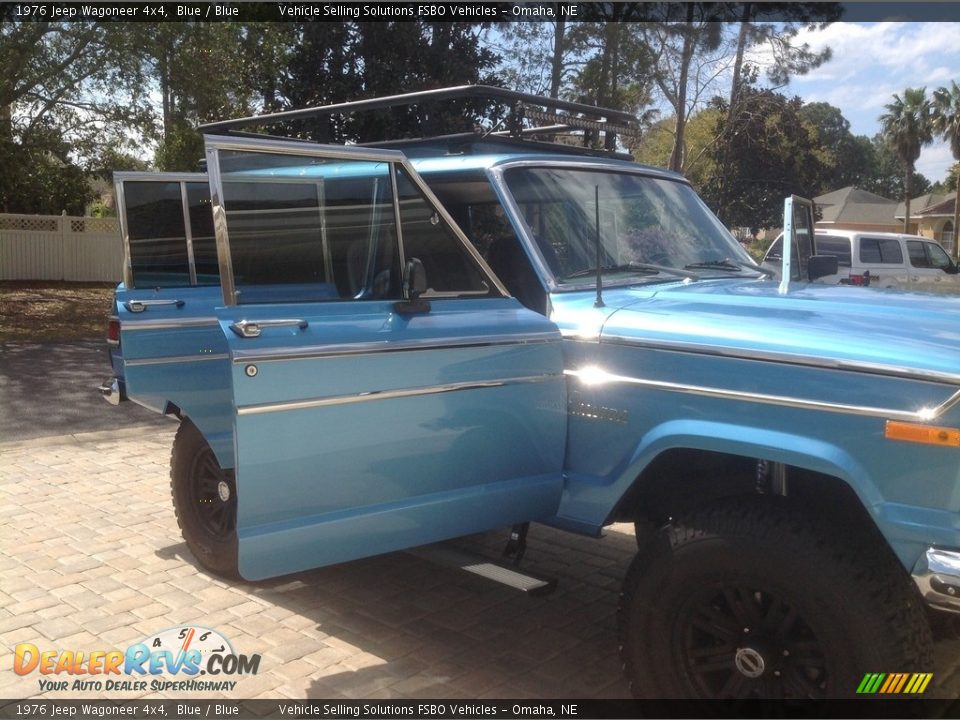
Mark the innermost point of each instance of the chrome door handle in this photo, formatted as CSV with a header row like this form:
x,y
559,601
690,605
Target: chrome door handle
x,y
253,328
138,306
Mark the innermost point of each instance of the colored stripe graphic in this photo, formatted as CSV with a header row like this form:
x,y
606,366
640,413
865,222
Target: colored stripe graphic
x,y
894,683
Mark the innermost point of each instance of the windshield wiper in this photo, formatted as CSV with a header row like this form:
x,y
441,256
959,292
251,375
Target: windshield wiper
x,y
645,268
725,264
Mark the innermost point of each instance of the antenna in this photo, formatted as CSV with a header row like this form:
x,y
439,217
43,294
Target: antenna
x,y
599,301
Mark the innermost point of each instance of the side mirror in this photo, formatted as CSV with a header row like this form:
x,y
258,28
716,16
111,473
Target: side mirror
x,y
952,268
414,285
822,265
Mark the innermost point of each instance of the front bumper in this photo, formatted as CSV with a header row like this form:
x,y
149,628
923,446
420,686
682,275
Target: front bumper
x,y
112,391
937,575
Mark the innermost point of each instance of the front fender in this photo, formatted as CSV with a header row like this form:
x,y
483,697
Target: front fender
x,y
589,502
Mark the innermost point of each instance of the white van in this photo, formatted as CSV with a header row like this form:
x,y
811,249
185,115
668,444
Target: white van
x,y
880,259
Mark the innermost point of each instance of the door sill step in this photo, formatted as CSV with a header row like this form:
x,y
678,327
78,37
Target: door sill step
x,y
485,568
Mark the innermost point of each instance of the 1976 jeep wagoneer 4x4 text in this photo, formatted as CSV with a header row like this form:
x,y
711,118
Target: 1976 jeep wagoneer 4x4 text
x,y
374,347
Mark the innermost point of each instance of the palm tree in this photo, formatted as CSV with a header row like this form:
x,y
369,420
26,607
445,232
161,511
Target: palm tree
x,y
907,124
946,122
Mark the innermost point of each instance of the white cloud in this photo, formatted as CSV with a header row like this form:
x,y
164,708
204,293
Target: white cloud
x,y
873,61
934,161
907,50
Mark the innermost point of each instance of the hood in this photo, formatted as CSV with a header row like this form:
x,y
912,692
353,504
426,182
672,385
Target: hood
x,y
847,325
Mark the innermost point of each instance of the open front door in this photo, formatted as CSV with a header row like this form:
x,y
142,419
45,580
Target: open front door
x,y
368,420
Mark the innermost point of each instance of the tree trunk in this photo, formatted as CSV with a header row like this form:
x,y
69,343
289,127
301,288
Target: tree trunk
x,y
556,69
610,139
908,191
956,222
741,48
689,44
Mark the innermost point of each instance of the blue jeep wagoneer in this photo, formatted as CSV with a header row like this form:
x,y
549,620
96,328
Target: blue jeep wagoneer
x,y
374,347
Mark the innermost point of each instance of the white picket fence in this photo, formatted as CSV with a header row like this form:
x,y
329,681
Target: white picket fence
x,y
60,247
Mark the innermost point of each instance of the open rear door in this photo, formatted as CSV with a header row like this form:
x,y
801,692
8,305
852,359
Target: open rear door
x,y
367,420
172,353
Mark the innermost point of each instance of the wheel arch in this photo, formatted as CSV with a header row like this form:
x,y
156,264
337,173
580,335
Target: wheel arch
x,y
682,464
211,428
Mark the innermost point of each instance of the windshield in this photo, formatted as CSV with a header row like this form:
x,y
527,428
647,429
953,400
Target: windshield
x,y
647,226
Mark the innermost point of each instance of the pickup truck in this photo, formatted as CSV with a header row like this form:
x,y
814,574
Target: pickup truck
x,y
376,347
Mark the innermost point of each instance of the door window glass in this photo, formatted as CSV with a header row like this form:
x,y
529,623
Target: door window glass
x,y
202,237
450,268
938,258
881,250
918,257
306,229
158,241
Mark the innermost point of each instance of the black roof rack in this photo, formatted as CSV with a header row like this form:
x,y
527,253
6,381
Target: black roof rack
x,y
555,117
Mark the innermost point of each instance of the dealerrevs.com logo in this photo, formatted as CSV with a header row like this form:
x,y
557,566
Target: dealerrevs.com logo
x,y
179,659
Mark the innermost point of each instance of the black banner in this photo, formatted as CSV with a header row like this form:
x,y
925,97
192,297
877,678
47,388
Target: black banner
x,y
479,11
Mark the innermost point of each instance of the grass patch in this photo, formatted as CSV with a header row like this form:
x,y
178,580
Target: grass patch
x,y
47,311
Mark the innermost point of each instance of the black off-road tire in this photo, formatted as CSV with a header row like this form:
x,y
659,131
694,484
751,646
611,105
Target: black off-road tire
x,y
207,521
749,598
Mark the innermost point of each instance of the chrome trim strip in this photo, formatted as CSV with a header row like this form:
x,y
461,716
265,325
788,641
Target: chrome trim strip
x,y
178,177
937,575
390,394
220,224
312,352
127,269
295,147
781,357
175,359
596,377
164,324
188,233
398,225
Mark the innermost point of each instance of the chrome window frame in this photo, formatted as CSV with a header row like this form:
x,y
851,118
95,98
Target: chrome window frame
x,y
181,178
213,144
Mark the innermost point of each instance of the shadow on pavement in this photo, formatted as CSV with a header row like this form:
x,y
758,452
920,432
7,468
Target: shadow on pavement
x,y
400,626
50,389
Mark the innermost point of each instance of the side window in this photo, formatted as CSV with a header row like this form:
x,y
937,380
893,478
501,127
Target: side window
x,y
309,229
918,256
158,241
839,247
881,250
776,250
201,233
450,268
471,202
938,258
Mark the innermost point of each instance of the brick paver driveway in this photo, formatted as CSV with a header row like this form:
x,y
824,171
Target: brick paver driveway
x,y
91,559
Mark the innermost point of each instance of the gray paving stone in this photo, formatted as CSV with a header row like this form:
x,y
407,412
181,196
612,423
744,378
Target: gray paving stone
x,y
101,565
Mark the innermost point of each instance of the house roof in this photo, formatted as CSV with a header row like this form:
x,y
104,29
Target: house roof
x,y
941,208
853,205
920,205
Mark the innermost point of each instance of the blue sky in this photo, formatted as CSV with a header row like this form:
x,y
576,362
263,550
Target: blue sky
x,y
871,62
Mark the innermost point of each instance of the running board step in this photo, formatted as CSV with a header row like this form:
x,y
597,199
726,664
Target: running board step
x,y
486,568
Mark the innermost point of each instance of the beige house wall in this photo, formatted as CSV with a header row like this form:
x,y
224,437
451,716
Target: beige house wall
x,y
933,228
